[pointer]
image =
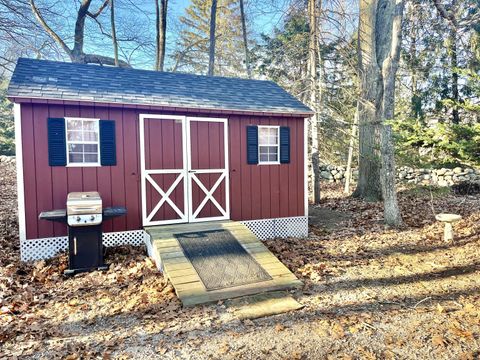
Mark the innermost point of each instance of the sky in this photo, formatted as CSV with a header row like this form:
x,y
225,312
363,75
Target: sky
x,y
263,17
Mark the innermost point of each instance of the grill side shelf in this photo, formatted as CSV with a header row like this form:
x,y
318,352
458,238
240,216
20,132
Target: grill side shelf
x,y
54,215
60,215
114,211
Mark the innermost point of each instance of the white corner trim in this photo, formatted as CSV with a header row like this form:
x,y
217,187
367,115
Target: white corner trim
x,y
19,165
305,163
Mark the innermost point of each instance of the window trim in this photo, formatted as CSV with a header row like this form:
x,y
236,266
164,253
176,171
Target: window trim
x,y
82,164
277,127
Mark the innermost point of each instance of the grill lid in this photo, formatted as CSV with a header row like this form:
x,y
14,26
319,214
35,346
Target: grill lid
x,y
84,203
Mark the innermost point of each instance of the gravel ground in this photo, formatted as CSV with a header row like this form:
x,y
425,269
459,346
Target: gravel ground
x,y
370,293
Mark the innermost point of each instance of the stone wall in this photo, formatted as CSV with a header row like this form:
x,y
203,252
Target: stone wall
x,y
5,158
439,177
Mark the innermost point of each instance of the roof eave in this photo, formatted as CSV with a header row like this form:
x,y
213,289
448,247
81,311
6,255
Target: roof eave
x,y
24,99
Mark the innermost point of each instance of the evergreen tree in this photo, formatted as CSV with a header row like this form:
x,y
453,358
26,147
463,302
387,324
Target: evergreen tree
x,y
7,136
191,54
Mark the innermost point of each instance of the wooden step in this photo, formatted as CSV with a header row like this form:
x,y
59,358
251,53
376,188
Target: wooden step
x,y
184,278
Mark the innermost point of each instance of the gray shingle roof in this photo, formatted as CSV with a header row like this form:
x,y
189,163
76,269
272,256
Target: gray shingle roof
x,y
79,82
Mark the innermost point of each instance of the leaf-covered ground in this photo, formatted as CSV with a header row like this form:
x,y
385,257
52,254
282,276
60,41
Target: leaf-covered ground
x,y
370,293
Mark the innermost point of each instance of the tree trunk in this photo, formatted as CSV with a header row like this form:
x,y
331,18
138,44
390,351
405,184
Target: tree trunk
x,y
315,176
77,54
380,24
245,40
391,211
368,184
79,35
161,8
453,66
211,55
114,32
389,70
348,172
415,100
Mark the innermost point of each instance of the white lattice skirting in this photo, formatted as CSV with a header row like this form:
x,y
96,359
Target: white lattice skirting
x,y
36,249
279,227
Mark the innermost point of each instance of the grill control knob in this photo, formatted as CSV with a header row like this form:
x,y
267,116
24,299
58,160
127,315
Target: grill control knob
x,y
92,218
78,219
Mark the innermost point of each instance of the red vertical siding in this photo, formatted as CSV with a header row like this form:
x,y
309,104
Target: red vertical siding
x,y
119,172
41,162
265,191
256,191
29,179
131,158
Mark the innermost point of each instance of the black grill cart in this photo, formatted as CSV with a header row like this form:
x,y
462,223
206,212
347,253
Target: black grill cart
x,y
85,248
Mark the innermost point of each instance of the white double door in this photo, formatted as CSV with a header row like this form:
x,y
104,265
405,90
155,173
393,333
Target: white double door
x,y
184,169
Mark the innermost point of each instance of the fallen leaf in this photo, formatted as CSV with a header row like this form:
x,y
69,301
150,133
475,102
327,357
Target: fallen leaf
x,y
438,340
337,331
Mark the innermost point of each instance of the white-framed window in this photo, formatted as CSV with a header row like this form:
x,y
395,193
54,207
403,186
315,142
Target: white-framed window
x,y
268,144
83,142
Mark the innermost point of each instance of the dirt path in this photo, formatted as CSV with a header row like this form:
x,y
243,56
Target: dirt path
x,y
370,293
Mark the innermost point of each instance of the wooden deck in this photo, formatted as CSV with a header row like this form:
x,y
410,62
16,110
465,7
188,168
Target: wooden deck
x,y
188,286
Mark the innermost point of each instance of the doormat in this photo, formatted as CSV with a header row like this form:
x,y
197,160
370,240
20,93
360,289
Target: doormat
x,y
219,259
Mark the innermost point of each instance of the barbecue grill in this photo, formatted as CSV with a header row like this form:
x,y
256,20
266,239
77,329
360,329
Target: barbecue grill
x,y
84,215
84,209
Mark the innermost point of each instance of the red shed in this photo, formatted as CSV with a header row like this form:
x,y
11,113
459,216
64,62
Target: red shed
x,y
170,147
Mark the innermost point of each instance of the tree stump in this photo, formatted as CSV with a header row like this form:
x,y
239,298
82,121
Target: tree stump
x,y
448,219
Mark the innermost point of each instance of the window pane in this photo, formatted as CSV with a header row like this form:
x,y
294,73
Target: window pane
x,y
82,137
75,158
263,136
263,157
74,124
272,140
272,157
78,148
272,149
90,136
91,148
91,158
89,125
74,136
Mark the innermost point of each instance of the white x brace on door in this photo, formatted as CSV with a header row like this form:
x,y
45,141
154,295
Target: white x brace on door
x,y
191,195
200,173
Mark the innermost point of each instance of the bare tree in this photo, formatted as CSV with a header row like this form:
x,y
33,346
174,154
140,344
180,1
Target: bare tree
x,y
369,103
351,145
161,7
211,51
245,40
314,98
379,51
114,32
393,44
77,53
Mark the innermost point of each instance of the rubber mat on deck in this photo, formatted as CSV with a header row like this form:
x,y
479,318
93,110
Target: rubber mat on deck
x,y
219,259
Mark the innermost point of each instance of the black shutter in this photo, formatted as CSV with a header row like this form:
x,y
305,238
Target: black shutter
x,y
57,150
252,144
108,151
284,145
